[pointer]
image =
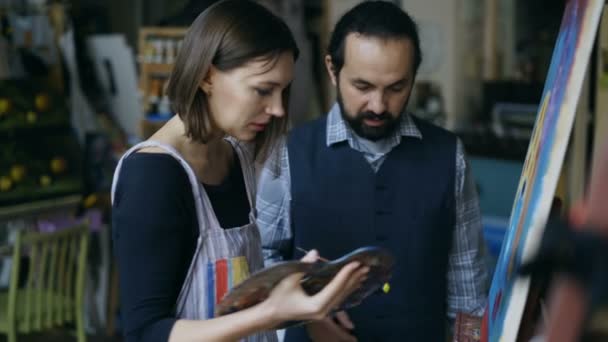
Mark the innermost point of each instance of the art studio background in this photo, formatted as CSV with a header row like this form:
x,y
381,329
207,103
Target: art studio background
x,y
82,80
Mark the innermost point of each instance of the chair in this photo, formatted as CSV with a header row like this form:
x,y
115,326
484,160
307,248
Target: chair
x,y
50,291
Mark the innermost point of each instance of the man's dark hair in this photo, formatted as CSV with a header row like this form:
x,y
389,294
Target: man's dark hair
x,y
380,19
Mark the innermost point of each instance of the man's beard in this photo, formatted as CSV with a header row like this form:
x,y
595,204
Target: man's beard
x,y
357,123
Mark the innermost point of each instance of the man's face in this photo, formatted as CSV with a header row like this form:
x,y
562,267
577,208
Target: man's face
x,y
374,85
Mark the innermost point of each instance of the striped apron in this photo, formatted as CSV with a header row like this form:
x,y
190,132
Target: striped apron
x,y
223,257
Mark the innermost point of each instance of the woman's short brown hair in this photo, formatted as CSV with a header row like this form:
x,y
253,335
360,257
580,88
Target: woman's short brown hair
x,y
226,35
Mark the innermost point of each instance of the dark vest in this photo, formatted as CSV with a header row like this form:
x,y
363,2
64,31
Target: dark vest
x,y
339,204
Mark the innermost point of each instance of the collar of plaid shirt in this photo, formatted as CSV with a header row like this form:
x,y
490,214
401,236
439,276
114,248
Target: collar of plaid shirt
x,y
338,130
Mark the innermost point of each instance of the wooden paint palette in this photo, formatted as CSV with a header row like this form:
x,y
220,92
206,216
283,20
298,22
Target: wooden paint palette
x,y
257,288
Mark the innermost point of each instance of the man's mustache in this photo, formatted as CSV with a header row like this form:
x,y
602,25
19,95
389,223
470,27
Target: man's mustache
x,y
373,116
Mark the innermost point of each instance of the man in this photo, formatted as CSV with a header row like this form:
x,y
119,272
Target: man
x,y
370,174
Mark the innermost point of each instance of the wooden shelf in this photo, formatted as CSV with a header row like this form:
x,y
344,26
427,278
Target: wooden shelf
x,y
43,122
152,75
29,190
156,68
39,207
175,32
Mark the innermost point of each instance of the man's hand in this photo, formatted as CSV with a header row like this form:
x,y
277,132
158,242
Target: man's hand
x,y
332,329
466,328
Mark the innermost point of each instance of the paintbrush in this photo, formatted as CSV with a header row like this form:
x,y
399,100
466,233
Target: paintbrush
x,y
306,252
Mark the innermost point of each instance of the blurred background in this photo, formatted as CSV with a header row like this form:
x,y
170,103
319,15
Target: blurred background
x,y
82,80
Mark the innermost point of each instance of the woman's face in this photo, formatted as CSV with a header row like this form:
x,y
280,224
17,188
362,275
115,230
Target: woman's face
x,y
242,101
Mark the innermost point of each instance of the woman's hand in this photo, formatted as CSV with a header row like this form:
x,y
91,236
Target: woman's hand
x,y
289,302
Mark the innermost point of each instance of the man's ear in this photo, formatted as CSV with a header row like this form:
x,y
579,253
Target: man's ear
x,y
331,70
207,82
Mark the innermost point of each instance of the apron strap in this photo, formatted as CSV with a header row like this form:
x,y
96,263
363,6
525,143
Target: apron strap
x,y
172,152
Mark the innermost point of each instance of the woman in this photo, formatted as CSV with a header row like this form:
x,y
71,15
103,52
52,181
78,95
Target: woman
x,y
183,220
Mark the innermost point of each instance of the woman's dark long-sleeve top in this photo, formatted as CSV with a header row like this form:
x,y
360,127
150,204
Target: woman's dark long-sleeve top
x,y
155,230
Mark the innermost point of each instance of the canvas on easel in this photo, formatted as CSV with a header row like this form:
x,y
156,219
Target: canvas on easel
x,y
532,205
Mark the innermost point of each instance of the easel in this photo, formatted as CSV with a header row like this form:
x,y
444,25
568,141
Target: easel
x,y
576,168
